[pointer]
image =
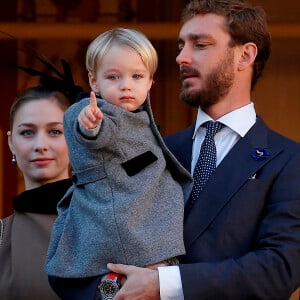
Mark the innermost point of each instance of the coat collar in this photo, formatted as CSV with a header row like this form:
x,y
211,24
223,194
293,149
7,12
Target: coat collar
x,y
43,199
241,166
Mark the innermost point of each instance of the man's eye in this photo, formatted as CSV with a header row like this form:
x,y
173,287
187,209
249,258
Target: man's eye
x,y
200,45
180,46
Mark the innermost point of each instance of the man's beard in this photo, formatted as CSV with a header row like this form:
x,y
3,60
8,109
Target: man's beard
x,y
216,85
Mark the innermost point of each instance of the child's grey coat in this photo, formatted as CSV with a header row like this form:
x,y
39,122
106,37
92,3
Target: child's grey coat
x,y
125,207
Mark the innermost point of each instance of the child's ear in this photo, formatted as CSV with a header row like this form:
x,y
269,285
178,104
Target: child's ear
x,y
151,82
247,55
93,83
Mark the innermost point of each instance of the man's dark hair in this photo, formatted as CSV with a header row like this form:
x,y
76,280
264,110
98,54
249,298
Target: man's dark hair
x,y
245,23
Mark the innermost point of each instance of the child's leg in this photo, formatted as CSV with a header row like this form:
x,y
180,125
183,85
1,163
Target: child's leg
x,y
173,261
75,288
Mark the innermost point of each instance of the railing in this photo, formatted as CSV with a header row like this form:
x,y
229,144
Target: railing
x,y
88,31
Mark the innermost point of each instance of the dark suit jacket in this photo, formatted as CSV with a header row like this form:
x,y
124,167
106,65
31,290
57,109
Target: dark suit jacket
x,y
243,236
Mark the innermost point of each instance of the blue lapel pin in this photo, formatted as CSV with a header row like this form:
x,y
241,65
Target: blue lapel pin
x,y
260,153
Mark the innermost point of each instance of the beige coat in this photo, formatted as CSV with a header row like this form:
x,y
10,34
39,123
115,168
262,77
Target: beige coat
x,y
23,247
24,239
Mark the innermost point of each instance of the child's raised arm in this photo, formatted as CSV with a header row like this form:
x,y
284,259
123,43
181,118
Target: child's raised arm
x,y
91,115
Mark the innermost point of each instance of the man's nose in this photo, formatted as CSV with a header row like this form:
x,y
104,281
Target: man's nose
x,y
184,57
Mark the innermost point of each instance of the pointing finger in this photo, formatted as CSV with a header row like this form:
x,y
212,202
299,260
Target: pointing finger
x,y
93,102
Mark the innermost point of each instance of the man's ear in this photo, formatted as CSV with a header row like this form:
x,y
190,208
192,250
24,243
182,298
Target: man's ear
x,y
93,83
247,55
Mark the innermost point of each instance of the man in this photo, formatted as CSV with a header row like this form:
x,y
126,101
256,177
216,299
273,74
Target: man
x,y
242,234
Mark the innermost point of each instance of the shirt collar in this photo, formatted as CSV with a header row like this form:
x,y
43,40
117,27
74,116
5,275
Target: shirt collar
x,y
239,120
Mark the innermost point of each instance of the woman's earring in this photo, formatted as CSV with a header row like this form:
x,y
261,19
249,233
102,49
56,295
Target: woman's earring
x,y
14,159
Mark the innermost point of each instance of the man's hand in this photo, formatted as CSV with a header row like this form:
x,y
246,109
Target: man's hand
x,y
91,115
141,283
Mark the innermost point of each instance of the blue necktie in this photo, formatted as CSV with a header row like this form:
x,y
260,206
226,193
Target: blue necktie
x,y
206,163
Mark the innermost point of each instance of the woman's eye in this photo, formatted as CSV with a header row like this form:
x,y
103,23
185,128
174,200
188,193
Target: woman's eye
x,y
55,132
26,132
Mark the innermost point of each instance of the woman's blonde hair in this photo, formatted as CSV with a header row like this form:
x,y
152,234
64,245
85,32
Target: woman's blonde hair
x,y
121,37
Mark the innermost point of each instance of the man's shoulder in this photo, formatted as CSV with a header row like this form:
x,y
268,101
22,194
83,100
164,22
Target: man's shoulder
x,y
286,142
177,136
274,138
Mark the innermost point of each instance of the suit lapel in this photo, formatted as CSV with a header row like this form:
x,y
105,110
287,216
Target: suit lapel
x,y
186,150
180,145
235,169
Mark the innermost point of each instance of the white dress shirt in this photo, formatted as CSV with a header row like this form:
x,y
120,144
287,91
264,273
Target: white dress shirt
x,y
237,124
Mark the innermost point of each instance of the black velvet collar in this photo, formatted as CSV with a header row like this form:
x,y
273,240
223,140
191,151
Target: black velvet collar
x,y
42,200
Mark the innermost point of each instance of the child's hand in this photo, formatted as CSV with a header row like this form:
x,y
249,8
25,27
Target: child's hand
x,y
91,115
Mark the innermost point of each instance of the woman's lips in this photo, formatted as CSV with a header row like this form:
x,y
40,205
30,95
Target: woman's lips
x,y
41,161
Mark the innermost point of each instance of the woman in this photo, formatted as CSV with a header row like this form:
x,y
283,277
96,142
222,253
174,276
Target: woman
x,y
36,140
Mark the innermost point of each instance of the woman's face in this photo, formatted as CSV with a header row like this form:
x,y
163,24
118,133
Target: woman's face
x,y
38,142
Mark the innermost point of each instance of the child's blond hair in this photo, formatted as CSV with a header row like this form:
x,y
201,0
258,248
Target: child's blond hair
x,y
121,37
